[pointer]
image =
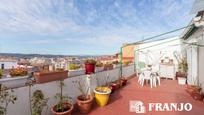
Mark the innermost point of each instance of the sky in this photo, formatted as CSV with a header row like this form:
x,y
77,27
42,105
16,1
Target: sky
x,y
85,27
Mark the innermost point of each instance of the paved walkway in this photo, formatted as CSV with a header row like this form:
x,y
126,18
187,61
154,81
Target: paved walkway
x,y
168,92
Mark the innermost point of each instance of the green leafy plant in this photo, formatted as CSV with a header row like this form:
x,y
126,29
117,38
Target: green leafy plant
x,y
38,102
73,67
99,64
61,107
90,61
1,73
183,65
6,97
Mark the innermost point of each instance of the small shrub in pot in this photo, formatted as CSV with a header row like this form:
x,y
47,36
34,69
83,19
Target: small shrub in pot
x,y
85,100
64,106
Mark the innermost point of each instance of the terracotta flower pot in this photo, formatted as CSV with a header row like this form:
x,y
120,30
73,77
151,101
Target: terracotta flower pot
x,y
43,77
84,106
190,91
194,87
113,87
197,96
119,82
90,68
124,81
67,112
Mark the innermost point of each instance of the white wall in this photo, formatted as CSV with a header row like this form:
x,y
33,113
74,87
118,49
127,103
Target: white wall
x,y
21,107
157,52
8,64
195,63
201,62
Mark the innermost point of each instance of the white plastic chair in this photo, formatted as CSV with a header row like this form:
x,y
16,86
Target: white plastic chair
x,y
155,75
140,74
146,76
155,78
140,78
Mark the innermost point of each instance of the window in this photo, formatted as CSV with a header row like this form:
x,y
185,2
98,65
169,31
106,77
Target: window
x,y
2,66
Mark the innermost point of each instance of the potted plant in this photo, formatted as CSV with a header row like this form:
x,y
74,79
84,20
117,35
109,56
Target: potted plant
x,y
47,76
84,101
17,77
195,92
115,85
198,96
182,73
112,85
108,66
99,66
102,95
115,64
64,106
6,97
90,66
123,81
38,102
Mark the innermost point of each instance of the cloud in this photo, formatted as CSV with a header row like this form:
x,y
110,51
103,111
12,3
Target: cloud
x,y
98,23
36,16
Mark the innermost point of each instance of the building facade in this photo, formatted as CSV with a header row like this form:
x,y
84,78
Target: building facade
x,y
193,48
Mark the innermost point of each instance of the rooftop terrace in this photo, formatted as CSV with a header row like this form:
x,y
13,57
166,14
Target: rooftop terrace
x,y
168,92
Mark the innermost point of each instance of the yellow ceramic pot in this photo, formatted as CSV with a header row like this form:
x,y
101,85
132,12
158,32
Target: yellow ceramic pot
x,y
102,95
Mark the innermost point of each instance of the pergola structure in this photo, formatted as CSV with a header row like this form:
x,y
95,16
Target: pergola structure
x,y
143,41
